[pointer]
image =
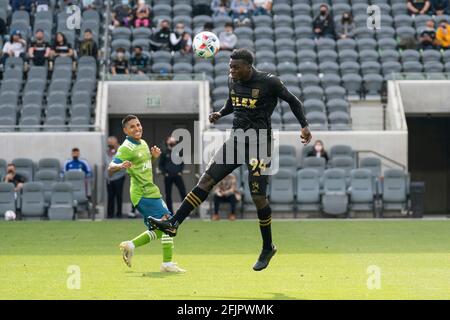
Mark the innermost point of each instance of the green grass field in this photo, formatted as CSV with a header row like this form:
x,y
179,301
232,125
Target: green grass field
x,y
315,260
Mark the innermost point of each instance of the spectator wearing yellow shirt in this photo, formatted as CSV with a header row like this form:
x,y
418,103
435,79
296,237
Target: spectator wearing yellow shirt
x,y
443,35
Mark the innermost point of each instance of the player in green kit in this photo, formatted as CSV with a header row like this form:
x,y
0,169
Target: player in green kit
x,y
135,156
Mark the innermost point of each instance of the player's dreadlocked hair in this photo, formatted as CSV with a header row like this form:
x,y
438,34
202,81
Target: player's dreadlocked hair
x,y
128,118
242,54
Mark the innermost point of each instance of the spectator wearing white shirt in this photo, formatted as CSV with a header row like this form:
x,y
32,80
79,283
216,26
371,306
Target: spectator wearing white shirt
x,y
262,7
15,47
227,37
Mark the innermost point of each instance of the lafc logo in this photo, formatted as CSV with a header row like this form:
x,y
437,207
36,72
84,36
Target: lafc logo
x,y
243,102
255,187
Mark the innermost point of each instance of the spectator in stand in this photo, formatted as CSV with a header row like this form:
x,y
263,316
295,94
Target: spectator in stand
x,y
88,47
262,7
142,15
220,7
208,26
41,5
227,37
418,6
443,35
226,191
139,61
440,7
318,151
61,47
346,26
2,28
39,51
15,47
91,4
78,164
160,40
120,63
122,15
180,39
427,37
242,11
172,171
26,5
114,184
13,177
323,24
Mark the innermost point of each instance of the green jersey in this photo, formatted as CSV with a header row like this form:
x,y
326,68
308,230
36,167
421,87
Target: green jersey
x,y
141,174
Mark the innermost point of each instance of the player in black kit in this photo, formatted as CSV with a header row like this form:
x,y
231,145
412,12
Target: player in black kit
x,y
253,95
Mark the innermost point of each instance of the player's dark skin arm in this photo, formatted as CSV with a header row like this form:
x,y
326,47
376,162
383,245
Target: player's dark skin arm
x,y
226,110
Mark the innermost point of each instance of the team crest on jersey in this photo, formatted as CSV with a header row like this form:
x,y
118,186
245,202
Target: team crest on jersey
x,y
255,187
255,93
232,91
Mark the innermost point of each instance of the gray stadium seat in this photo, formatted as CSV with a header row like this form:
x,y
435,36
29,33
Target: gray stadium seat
x,y
349,67
373,164
61,202
362,190
435,66
282,190
3,166
329,80
412,66
288,163
49,164
352,83
79,124
55,121
305,44
262,20
138,33
329,67
262,56
308,190
337,105
341,150
366,44
77,180
286,150
335,92
25,167
309,80
318,164
373,84
395,190
343,162
308,68
306,55
334,198
346,55
7,199
346,44
32,200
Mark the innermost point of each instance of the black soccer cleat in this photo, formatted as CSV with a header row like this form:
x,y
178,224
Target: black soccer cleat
x,y
264,258
164,225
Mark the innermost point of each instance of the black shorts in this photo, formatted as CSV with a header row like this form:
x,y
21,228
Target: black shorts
x,y
256,155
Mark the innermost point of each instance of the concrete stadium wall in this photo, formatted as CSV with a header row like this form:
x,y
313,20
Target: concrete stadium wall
x,y
423,97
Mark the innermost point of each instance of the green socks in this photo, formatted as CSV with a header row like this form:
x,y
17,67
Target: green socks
x,y
146,237
166,242
167,247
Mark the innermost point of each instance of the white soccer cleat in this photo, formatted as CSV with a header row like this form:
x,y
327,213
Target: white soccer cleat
x,y
171,267
127,248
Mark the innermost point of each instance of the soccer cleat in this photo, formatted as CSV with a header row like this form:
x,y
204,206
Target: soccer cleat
x,y
264,258
164,225
171,267
127,252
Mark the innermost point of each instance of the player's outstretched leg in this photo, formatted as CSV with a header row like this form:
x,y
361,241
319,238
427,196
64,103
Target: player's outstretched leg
x,y
190,202
269,249
167,246
127,247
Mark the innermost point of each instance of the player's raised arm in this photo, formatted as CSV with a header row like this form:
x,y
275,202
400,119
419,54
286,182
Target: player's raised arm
x,y
296,107
114,167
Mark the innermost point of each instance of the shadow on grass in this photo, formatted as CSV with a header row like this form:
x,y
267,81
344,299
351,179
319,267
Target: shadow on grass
x,y
275,296
153,274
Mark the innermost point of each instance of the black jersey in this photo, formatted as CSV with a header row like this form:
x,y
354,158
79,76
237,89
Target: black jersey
x,y
254,101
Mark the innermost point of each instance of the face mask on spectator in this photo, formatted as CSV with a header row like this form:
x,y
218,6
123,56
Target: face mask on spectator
x,y
323,12
75,158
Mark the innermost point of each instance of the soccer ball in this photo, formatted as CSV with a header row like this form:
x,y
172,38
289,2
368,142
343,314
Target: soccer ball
x,y
10,215
205,44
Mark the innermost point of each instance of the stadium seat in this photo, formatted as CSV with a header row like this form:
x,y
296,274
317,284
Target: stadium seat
x,y
7,198
62,204
341,150
25,167
282,190
373,164
3,166
343,162
308,190
32,200
318,164
334,197
77,180
362,190
286,150
47,177
395,190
